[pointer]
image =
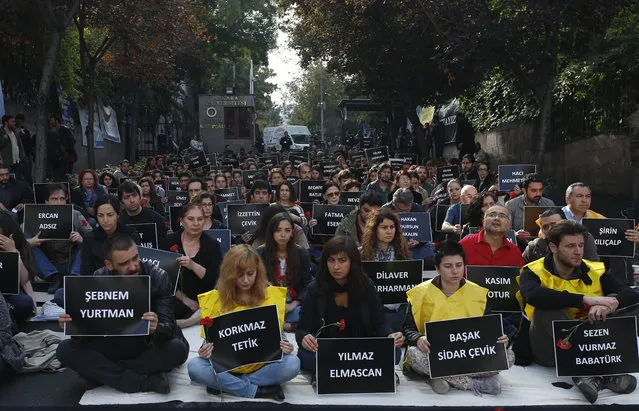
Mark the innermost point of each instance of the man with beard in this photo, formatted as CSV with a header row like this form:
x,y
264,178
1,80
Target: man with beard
x,y
10,145
129,195
130,363
353,224
564,286
13,193
532,188
468,171
382,184
304,171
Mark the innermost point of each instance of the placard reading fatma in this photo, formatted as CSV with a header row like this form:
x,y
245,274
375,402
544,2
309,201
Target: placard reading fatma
x,y
309,190
416,226
243,218
245,337
9,273
148,234
328,218
602,348
177,198
610,236
231,193
512,174
223,237
355,365
376,155
501,284
53,222
447,173
465,346
165,260
40,191
531,215
393,278
107,305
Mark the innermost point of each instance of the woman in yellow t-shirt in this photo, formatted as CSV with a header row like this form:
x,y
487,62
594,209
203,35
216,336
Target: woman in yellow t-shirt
x,y
242,284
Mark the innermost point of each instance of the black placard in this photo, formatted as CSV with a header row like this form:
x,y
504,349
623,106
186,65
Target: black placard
x,y
512,174
223,237
244,218
166,260
350,198
501,284
231,193
531,215
248,176
394,278
9,273
271,160
412,158
107,305
196,160
328,217
328,167
376,155
245,337
610,236
440,215
148,234
174,217
450,355
212,159
309,190
297,159
355,365
224,210
40,191
356,158
177,198
396,164
602,348
173,184
54,222
447,173
416,226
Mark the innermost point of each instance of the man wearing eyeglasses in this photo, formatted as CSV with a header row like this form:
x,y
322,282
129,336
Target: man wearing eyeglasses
x,y
484,180
490,247
452,222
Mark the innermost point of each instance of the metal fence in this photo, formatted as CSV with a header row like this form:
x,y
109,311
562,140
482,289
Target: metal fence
x,y
158,138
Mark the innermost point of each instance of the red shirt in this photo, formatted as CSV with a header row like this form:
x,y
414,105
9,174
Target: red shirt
x,y
478,252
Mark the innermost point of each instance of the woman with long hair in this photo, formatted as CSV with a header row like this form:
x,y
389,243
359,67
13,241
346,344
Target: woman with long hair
x,y
287,265
87,192
200,262
448,296
108,180
260,235
21,306
382,240
286,197
476,210
242,285
149,196
107,209
341,294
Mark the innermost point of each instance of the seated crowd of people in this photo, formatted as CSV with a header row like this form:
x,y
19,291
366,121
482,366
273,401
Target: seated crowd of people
x,y
313,277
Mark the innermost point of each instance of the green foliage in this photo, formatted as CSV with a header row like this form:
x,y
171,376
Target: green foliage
x,y
68,67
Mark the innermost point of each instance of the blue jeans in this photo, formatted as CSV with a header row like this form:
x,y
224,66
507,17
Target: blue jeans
x,y
20,307
203,372
293,316
47,268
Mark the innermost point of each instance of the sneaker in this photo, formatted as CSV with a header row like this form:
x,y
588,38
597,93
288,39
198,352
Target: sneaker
x,y
621,384
213,391
272,392
589,387
439,385
485,385
157,383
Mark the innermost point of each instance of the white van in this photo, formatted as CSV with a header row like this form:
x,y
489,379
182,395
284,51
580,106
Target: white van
x,y
300,135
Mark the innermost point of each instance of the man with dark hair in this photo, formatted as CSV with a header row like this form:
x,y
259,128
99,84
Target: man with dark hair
x,y
195,187
183,179
353,224
123,170
260,193
402,202
130,196
564,286
61,148
13,193
56,259
532,187
11,146
484,179
134,363
382,184
538,248
468,171
304,171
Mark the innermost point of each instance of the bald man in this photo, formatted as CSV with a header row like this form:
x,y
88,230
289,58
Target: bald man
x,y
452,222
490,246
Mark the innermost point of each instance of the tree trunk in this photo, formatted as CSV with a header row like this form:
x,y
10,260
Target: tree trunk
x,y
90,119
545,121
43,97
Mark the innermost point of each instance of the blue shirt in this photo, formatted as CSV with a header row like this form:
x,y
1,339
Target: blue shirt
x,y
453,214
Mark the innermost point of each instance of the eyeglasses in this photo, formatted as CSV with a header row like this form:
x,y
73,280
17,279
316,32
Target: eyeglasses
x,y
500,216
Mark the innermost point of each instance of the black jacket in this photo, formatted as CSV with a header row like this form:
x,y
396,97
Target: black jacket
x,y
93,253
161,303
147,215
304,264
315,307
